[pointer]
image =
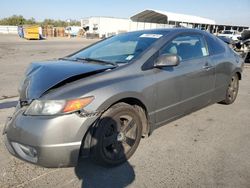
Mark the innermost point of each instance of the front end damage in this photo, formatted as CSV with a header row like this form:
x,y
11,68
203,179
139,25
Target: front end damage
x,y
50,140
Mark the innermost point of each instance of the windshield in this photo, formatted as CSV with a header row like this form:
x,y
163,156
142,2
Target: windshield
x,y
121,48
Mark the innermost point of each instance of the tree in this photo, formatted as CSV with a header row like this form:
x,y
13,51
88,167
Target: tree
x,y
20,20
31,21
13,20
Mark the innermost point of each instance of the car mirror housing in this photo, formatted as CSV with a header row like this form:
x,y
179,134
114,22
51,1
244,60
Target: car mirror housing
x,y
167,60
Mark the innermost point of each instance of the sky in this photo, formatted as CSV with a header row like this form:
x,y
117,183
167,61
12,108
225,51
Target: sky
x,y
233,12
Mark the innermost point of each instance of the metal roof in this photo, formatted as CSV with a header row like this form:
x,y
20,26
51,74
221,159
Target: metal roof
x,y
163,17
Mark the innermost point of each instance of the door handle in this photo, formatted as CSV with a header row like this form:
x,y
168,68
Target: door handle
x,y
207,67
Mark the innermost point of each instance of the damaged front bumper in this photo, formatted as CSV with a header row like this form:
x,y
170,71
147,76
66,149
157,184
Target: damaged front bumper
x,y
48,141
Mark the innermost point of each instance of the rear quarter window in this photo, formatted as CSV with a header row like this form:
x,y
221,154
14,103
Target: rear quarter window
x,y
215,46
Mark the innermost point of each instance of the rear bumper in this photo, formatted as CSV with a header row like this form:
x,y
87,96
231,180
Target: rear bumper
x,y
46,141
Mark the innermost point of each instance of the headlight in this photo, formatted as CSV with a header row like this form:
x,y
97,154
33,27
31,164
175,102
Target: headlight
x,y
54,107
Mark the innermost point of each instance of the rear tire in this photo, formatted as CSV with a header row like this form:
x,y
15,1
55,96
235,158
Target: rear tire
x,y
232,90
117,135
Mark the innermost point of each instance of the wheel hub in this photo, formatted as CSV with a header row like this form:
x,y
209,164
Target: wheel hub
x,y
120,137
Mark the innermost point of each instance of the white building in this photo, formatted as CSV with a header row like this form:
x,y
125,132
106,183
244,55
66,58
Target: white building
x,y
105,26
150,19
169,18
108,26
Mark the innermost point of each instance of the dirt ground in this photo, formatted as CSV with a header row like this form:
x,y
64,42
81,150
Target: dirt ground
x,y
17,53
208,148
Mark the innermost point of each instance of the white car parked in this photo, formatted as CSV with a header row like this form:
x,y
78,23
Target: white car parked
x,y
72,30
235,35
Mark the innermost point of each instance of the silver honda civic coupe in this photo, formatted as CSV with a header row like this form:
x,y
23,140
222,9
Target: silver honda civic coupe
x,y
100,101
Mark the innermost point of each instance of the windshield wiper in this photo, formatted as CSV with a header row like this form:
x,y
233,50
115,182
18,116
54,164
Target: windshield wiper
x,y
121,62
66,58
95,60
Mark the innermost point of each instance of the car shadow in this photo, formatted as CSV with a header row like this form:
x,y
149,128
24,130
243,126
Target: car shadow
x,y
9,104
94,175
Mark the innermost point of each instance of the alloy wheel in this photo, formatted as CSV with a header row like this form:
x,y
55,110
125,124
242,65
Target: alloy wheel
x,y
119,137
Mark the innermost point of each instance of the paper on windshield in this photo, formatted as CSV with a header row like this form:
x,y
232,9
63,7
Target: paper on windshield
x,y
155,36
129,57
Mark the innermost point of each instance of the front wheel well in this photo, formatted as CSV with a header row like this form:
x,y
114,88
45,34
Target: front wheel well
x,y
142,111
87,139
239,75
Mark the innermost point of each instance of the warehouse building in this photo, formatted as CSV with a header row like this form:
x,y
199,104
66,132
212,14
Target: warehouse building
x,y
174,19
150,19
105,26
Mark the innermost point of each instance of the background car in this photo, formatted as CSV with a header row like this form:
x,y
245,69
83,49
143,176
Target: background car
x,y
242,46
235,35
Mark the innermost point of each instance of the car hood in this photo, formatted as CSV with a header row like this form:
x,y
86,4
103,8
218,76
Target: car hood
x,y
42,76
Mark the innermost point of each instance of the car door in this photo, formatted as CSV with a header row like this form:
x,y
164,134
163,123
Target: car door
x,y
188,86
223,66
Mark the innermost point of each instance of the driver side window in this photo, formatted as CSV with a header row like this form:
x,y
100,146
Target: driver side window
x,y
186,47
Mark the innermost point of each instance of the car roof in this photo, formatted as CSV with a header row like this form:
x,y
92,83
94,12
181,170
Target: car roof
x,y
170,30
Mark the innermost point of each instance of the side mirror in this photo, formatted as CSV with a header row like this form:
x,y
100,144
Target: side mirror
x,y
167,60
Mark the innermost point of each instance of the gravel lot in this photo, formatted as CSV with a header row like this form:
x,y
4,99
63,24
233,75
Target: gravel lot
x,y
17,53
208,148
